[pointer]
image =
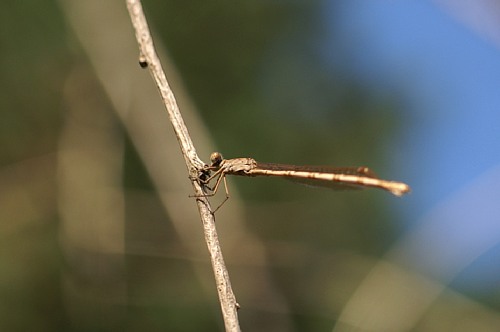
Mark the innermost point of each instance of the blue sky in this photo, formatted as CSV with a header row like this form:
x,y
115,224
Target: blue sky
x,y
448,77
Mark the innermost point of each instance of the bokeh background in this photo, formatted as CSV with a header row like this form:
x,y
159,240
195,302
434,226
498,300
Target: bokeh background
x,y
98,232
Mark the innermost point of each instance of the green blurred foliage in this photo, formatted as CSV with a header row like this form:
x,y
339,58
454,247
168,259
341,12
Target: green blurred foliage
x,y
34,61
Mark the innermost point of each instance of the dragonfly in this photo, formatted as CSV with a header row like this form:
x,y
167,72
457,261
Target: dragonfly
x,y
322,176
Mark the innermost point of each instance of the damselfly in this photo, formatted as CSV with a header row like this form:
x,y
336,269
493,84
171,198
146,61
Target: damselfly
x,y
323,176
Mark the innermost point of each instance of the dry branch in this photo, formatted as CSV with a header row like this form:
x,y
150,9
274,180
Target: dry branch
x,y
194,164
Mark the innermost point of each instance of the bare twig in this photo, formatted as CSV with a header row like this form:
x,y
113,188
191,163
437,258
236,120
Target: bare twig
x,y
193,163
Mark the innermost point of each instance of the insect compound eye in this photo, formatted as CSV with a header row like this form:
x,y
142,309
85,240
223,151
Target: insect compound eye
x,y
215,158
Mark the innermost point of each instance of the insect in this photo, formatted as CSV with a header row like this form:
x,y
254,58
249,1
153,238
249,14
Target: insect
x,y
323,176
